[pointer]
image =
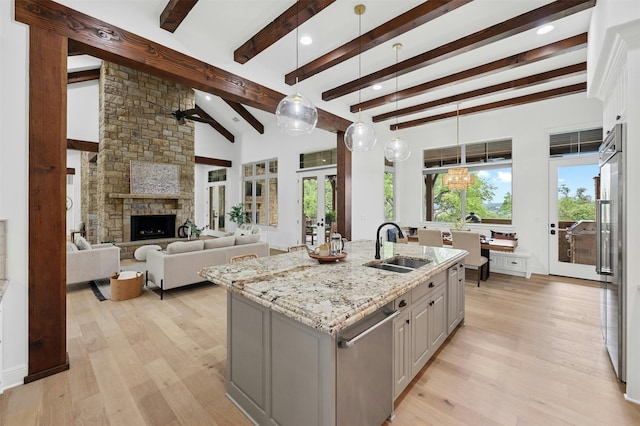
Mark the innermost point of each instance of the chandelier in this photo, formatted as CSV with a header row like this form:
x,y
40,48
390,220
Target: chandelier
x,y
397,148
360,136
295,114
458,177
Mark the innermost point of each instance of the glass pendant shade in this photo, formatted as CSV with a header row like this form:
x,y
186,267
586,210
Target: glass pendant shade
x,y
296,115
458,178
396,150
360,136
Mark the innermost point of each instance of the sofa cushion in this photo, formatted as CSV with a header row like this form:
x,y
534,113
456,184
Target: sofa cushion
x,y
219,242
240,232
185,246
71,246
247,239
82,243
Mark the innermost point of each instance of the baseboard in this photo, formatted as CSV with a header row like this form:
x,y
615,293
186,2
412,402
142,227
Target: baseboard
x,y
13,377
635,401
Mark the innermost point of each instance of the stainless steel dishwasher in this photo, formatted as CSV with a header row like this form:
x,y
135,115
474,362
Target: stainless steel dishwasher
x,y
365,371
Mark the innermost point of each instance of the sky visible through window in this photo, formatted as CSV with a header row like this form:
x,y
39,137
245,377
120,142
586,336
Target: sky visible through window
x,y
500,179
575,177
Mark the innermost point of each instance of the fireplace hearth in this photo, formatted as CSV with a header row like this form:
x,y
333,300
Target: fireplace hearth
x,y
147,227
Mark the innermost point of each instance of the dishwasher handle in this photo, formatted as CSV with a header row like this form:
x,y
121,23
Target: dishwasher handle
x,y
345,344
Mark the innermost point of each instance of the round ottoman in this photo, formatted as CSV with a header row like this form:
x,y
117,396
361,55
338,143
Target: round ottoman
x,y
141,252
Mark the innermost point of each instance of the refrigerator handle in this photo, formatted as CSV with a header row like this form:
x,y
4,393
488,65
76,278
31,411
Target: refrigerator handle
x,y
602,268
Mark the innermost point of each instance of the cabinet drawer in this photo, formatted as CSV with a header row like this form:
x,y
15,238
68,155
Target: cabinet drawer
x,y
428,286
515,264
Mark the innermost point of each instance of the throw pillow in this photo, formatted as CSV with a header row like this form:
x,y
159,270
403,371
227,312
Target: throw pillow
x,y
219,242
503,235
247,239
240,232
82,243
185,247
141,252
71,246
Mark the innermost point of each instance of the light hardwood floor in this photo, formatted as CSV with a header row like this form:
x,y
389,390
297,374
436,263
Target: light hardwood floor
x,y
530,354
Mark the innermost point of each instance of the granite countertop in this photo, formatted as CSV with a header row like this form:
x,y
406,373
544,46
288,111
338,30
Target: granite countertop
x,y
3,287
329,297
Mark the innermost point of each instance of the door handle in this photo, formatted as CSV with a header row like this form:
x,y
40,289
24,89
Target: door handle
x,y
345,344
552,232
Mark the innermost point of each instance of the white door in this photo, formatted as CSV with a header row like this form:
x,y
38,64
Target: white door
x,y
316,198
216,206
572,195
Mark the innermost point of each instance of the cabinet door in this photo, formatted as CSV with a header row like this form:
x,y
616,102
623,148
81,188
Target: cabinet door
x,y
401,348
420,348
453,308
437,318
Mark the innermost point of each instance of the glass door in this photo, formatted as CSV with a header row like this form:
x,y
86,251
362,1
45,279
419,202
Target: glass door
x,y
572,217
318,205
217,209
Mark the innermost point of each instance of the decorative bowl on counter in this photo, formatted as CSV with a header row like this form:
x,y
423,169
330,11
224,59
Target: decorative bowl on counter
x,y
328,259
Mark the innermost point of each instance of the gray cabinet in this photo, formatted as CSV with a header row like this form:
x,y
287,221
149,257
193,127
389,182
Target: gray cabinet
x,y
455,296
420,329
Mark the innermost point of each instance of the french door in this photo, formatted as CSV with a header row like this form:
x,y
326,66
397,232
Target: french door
x,y
572,195
317,198
216,206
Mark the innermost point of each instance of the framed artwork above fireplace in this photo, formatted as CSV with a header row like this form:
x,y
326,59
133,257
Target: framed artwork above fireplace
x,y
154,178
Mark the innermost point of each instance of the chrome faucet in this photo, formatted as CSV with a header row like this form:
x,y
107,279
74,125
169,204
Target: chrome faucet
x,y
378,243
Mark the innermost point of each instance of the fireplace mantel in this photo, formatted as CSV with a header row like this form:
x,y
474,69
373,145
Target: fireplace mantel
x,y
152,196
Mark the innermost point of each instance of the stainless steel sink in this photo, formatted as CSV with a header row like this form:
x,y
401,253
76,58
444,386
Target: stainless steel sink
x,y
401,264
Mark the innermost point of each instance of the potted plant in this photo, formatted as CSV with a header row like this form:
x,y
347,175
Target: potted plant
x,y
237,214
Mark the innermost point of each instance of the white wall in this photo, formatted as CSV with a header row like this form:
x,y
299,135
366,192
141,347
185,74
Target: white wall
x,y
14,72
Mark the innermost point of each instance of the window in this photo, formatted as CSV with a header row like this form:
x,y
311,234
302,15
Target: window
x,y
389,190
575,143
489,197
219,175
319,159
261,192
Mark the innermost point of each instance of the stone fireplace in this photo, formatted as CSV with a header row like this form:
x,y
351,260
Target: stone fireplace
x,y
136,126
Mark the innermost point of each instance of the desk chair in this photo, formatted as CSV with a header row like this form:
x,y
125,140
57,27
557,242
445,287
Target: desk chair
x,y
241,257
430,237
470,241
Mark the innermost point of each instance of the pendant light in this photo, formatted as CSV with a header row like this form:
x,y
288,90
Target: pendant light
x,y
397,149
295,114
360,136
458,177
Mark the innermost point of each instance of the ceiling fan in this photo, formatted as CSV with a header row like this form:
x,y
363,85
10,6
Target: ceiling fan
x,y
193,114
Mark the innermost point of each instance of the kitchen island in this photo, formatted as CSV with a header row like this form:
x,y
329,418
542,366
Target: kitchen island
x,y
288,319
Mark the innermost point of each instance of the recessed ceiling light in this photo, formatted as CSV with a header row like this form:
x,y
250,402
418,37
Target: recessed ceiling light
x,y
376,86
306,40
207,97
545,29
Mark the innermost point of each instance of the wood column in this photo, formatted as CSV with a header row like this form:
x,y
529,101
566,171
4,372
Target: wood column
x,y
344,188
47,190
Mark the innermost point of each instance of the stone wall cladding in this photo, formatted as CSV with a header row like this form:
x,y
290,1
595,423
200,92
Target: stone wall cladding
x,y
136,125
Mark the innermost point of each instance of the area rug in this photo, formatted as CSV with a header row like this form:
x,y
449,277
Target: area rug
x,y
102,289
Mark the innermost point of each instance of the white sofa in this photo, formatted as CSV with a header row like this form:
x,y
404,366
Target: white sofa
x,y
93,262
180,263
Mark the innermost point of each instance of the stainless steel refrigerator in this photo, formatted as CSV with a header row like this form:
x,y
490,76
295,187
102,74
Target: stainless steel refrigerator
x,y
610,246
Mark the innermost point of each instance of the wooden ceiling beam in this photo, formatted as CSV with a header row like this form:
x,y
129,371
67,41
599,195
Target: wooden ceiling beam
x,y
215,124
212,161
519,83
174,13
248,117
520,100
82,145
81,76
542,15
288,21
105,41
523,58
408,21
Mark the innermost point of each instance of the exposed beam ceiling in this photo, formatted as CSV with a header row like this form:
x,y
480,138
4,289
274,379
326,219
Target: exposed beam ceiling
x,y
513,61
288,21
212,161
520,100
417,16
501,31
82,145
97,38
215,124
81,76
174,13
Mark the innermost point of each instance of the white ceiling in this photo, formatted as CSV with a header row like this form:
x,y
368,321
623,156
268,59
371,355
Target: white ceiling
x,y
215,28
